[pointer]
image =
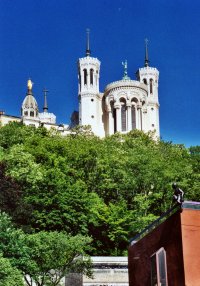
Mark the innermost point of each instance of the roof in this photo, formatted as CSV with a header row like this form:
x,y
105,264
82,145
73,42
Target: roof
x,y
185,205
191,205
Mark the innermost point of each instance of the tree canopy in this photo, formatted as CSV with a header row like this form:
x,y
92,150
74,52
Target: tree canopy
x,y
108,189
41,258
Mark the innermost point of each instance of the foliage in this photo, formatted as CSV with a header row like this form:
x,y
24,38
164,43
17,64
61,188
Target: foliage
x,y
53,255
107,188
44,257
195,178
9,276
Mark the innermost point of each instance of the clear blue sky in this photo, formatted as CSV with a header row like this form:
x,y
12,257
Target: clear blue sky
x,y
43,39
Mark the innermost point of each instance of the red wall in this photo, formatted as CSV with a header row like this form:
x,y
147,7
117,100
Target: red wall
x,y
167,235
190,224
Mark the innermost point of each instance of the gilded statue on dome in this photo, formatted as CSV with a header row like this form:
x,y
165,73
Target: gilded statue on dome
x,y
29,84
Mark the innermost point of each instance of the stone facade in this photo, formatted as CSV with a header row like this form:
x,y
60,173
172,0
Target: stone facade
x,y
124,105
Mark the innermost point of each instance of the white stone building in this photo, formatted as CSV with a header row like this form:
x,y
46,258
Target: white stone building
x,y
124,105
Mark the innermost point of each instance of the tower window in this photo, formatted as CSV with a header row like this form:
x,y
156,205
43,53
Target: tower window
x,y
85,76
144,81
25,113
92,116
92,99
91,76
151,86
32,113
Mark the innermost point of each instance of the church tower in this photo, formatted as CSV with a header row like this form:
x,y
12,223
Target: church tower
x,y
90,100
150,76
29,108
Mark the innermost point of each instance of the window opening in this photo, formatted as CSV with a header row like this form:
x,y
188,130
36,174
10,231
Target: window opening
x,y
133,117
123,116
151,86
115,121
85,76
159,268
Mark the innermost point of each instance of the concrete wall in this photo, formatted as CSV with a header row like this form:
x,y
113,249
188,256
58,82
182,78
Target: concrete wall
x,y
107,271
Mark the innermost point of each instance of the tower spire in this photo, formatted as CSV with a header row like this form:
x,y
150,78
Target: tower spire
x,y
45,108
88,52
146,61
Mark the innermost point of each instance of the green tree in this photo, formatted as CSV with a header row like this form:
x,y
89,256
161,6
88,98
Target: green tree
x,y
44,257
53,255
81,184
9,275
194,187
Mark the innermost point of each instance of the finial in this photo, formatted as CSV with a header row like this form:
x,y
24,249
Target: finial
x,y
29,84
45,108
88,52
146,61
125,64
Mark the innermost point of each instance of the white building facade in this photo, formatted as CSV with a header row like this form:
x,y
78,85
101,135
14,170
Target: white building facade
x,y
124,105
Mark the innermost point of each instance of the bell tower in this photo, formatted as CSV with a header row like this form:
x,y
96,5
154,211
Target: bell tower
x,y
150,76
90,111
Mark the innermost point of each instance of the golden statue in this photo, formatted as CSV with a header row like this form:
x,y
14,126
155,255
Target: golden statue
x,y
29,84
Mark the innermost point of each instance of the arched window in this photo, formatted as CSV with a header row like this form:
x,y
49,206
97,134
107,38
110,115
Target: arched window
x,y
91,76
25,113
144,81
151,86
85,76
133,117
123,114
32,113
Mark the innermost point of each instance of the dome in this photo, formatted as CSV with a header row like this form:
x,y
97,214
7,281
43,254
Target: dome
x,y
29,105
30,102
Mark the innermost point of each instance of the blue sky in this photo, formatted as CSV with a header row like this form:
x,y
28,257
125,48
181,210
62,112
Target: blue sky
x,y
43,39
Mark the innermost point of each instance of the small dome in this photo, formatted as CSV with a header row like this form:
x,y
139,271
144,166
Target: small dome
x,y
30,102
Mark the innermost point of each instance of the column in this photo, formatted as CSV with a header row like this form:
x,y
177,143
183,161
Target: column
x,y
139,126
110,123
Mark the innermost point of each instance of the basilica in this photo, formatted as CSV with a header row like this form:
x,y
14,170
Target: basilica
x,y
124,105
